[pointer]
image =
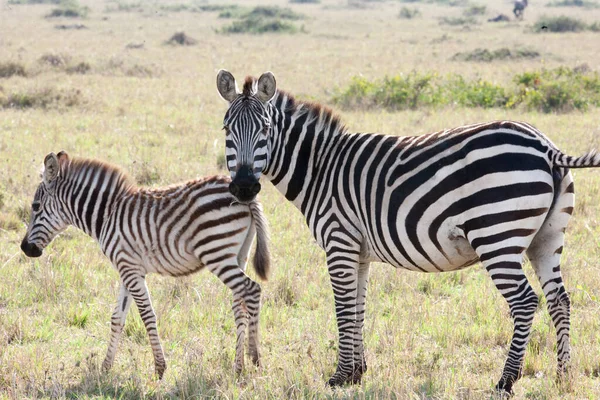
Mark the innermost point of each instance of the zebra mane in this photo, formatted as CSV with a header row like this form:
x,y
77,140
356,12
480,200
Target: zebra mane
x,y
76,166
315,110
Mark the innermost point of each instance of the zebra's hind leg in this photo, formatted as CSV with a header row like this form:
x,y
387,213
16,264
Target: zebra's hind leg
x,y
136,286
359,361
544,254
246,303
510,279
117,322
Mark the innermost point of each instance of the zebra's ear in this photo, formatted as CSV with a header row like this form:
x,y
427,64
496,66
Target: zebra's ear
x,y
266,87
50,168
227,86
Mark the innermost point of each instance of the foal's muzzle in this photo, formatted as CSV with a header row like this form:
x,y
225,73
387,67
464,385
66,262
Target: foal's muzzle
x,y
30,249
244,186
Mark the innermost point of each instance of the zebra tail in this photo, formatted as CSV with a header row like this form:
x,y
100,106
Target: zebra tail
x,y
262,255
590,159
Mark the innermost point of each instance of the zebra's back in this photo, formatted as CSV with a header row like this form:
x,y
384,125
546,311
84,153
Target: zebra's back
x,y
440,191
178,230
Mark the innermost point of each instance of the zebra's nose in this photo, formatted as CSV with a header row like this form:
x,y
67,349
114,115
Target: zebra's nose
x,y
244,186
30,249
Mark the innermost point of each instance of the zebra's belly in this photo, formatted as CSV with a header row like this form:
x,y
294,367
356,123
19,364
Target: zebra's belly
x,y
457,254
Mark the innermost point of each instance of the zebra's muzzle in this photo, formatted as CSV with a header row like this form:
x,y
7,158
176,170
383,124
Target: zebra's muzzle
x,y
244,186
30,249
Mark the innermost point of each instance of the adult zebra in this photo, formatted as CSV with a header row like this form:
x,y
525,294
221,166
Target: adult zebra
x,y
438,202
174,231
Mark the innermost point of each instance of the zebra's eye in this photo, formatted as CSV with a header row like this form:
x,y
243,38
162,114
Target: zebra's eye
x,y
35,207
226,129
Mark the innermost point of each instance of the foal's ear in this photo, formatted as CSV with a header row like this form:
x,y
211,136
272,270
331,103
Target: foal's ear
x,y
50,168
226,85
266,87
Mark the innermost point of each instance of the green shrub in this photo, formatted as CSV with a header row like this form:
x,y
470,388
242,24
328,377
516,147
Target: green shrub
x,y
474,10
409,13
70,9
41,98
559,90
573,3
561,23
263,19
257,25
81,68
485,55
458,21
10,68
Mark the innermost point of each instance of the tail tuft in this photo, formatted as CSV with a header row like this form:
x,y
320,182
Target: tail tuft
x,y
262,255
588,160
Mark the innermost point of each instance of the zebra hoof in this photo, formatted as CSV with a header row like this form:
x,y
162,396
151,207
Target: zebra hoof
x,y
356,377
106,365
160,370
504,388
338,380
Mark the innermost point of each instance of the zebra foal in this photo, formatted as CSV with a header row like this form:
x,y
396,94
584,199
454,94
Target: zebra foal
x,y
490,193
174,231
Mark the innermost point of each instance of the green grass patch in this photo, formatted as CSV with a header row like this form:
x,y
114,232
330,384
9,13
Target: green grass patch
x,y
409,13
558,90
485,55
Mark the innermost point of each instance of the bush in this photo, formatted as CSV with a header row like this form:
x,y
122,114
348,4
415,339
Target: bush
x,y
70,9
8,69
573,3
559,90
264,19
81,68
55,60
42,98
259,25
180,38
561,23
474,10
485,55
458,21
409,13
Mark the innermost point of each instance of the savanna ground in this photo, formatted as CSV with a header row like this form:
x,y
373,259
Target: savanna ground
x,y
116,91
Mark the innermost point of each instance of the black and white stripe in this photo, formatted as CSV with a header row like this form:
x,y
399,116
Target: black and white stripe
x,y
490,192
174,231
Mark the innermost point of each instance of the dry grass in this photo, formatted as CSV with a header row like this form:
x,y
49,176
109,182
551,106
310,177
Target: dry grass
x,y
427,336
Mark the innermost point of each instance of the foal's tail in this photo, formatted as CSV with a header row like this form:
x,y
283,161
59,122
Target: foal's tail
x,y
262,255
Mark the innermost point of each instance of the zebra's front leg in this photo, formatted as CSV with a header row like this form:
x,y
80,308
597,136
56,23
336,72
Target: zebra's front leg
x,y
360,362
136,285
343,271
117,322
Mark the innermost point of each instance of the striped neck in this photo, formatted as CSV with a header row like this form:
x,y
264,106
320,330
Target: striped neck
x,y
303,137
89,190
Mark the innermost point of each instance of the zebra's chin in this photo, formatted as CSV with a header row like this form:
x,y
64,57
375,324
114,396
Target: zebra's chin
x,y
30,249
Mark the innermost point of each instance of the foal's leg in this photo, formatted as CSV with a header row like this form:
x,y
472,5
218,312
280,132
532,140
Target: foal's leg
x,y
246,302
117,322
136,285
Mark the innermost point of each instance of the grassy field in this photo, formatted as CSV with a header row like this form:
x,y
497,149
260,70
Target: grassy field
x,y
114,90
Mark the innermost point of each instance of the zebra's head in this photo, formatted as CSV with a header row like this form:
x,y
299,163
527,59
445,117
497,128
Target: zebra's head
x,y
247,126
47,216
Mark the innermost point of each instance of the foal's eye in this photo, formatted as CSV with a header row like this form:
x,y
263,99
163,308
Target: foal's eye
x,y
35,207
226,129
